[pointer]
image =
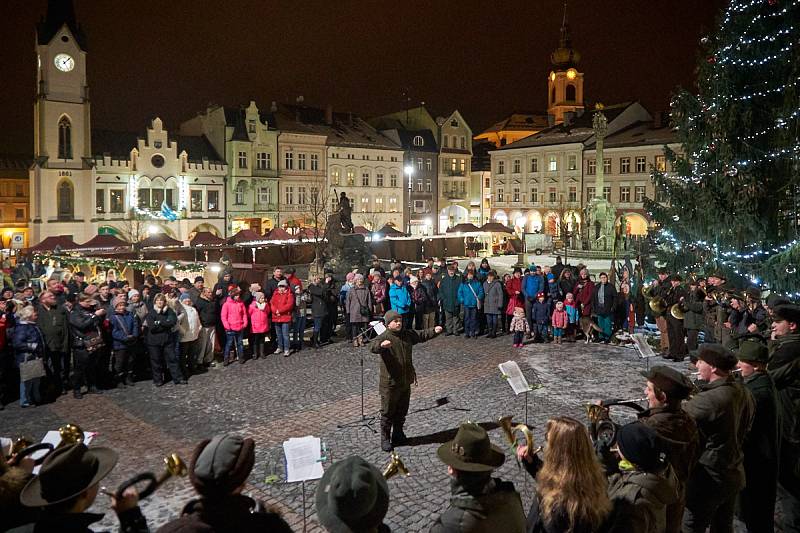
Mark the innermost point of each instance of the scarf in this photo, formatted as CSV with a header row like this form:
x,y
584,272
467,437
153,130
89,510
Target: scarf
x,y
261,306
601,295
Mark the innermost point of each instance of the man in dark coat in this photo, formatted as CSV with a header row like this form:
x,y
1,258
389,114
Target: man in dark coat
x,y
84,321
218,471
666,389
78,283
757,500
677,343
604,298
693,318
397,374
53,321
478,502
784,368
723,410
660,288
448,295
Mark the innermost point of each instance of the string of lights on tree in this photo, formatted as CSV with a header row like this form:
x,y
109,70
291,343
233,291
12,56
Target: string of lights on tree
x,y
143,265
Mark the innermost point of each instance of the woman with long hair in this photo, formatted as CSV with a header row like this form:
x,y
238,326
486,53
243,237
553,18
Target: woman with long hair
x,y
571,488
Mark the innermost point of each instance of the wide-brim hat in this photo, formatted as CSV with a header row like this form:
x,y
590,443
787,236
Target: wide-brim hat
x,y
66,473
471,450
752,351
717,356
788,312
669,380
352,496
754,293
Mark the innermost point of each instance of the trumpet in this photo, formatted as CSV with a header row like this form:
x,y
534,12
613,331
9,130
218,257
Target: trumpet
x,y
23,446
395,467
509,430
173,467
678,311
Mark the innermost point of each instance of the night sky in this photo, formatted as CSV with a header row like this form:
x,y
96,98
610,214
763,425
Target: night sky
x,y
487,59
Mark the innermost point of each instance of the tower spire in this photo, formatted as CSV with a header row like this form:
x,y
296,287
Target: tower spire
x,y
565,56
59,13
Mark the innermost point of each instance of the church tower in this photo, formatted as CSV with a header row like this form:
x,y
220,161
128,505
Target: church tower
x,y
565,82
61,180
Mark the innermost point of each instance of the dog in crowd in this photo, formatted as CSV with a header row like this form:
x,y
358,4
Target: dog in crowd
x,y
589,328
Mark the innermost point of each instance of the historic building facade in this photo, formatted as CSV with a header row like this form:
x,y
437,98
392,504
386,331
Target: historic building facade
x,y
84,180
14,201
247,139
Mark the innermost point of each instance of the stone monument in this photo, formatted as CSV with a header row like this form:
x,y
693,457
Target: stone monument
x,y
600,213
342,250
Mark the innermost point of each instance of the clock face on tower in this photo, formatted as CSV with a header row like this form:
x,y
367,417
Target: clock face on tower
x,y
64,62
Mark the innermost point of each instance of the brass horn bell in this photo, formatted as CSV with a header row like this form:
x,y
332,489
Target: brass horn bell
x,y
678,311
395,467
173,467
658,305
509,431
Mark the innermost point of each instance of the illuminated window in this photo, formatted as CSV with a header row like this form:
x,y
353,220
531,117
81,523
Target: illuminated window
x,y
553,164
661,163
196,199
572,162
213,200
351,177
393,205
117,200
379,205
364,204
335,177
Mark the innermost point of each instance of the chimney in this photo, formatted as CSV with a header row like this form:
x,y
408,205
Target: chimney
x,y
329,114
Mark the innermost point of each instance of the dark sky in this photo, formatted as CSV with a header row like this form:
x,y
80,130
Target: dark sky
x,y
171,58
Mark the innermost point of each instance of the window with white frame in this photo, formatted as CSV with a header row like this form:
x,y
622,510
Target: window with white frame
x,y
638,194
591,167
501,167
624,195
301,196
516,194
534,195
552,195
196,199
288,161
289,195
516,166
625,165
607,165
419,163
314,162
428,164
301,161
335,176
393,180
351,177
212,200
365,179
379,179
242,159
419,185
238,197
500,194
572,162
590,192
552,165
572,194
263,161
641,163
607,193
264,195
428,186
418,141
534,164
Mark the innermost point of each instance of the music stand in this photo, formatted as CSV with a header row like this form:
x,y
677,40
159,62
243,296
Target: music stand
x,y
645,350
364,421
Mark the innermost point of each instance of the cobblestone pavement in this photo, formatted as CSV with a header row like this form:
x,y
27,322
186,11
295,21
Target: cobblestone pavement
x,y
313,391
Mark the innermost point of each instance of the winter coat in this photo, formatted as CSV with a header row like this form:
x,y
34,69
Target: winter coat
x,y
230,513
584,290
532,285
565,286
540,312
514,286
693,317
271,287
680,433
28,342
259,318
343,290
761,446
190,325
470,293
320,294
125,329
610,300
552,288
282,306
448,292
233,315
518,323
572,313
358,298
433,294
723,410
784,368
83,322
640,501
493,297
139,309
294,281
378,289
130,521
397,365
54,324
560,319
482,274
400,298
159,326
493,507
207,311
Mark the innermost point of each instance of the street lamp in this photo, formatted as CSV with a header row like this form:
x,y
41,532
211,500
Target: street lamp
x,y
152,229
409,172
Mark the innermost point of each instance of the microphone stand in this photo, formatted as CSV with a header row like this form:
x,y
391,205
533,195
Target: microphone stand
x,y
364,421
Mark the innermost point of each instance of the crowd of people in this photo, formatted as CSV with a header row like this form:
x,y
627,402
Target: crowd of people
x,y
701,453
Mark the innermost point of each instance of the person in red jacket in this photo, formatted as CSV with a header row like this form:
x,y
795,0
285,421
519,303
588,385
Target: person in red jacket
x,y
234,320
584,289
259,323
282,306
515,297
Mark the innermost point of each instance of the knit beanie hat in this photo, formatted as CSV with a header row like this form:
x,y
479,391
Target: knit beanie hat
x,y
116,301
184,296
391,315
221,464
132,293
641,446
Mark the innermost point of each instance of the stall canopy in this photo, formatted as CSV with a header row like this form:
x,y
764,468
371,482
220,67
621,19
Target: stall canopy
x,y
278,234
388,231
361,230
308,234
206,238
62,242
245,236
103,242
495,227
159,240
464,227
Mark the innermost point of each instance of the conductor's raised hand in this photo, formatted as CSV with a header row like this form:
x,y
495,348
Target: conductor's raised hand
x,y
386,343
438,329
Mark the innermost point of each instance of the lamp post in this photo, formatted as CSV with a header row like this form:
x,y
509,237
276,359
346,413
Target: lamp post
x,y
408,170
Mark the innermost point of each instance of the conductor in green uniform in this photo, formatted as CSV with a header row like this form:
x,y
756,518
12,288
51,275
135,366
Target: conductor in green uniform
x,y
397,374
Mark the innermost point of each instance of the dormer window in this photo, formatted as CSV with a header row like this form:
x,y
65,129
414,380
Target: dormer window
x,y
251,127
418,141
454,123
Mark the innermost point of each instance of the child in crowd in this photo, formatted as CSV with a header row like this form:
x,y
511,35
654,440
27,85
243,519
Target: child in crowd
x,y
519,326
541,317
573,316
560,322
552,286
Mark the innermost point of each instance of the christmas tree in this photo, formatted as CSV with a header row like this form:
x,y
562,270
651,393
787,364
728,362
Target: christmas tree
x,y
733,194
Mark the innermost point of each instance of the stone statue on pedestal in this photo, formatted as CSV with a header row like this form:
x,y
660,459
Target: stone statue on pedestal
x,y
600,213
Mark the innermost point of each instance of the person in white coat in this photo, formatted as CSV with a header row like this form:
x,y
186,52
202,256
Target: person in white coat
x,y
189,330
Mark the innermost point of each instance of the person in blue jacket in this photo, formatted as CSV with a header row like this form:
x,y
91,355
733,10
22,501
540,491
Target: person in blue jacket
x,y
532,285
125,330
400,300
470,295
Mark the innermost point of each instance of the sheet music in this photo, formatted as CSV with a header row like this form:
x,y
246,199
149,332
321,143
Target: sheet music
x,y
645,350
378,327
515,377
303,458
54,438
